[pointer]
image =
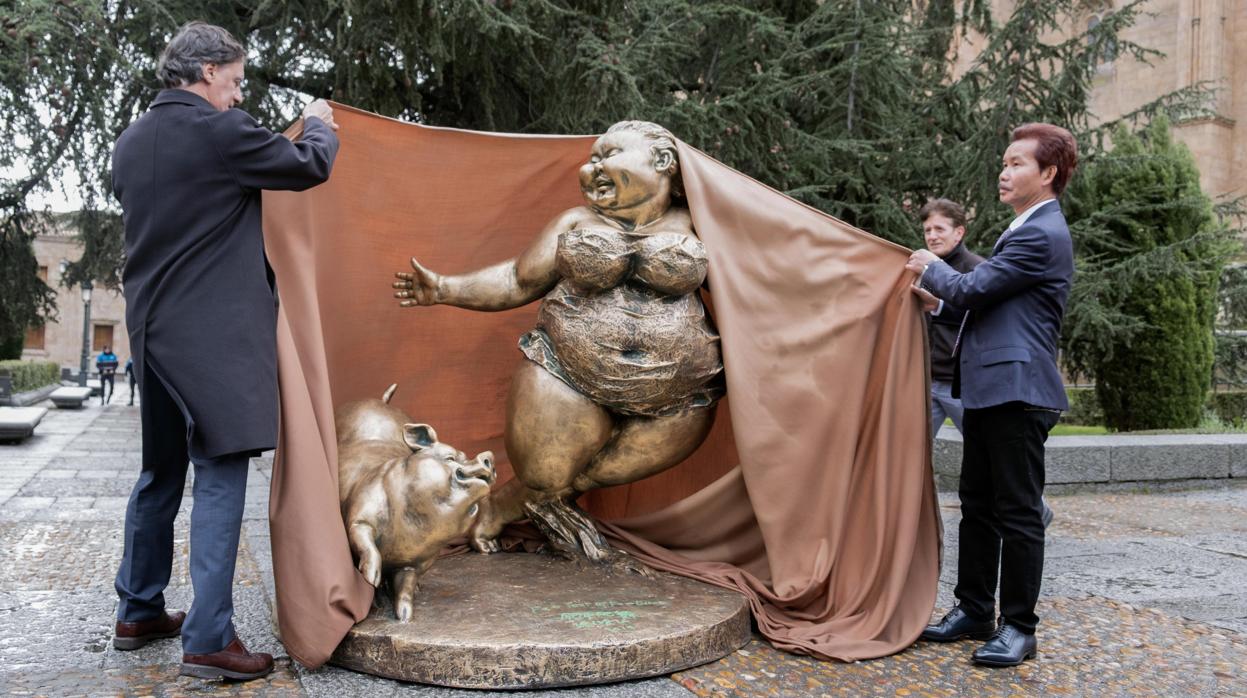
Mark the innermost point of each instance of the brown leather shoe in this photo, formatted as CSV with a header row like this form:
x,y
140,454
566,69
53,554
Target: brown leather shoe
x,y
233,662
133,635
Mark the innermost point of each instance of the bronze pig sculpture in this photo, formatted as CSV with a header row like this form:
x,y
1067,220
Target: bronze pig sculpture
x,y
403,493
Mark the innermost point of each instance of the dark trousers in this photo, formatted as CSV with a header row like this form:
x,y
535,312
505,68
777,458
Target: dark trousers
x,y
106,387
1001,489
219,492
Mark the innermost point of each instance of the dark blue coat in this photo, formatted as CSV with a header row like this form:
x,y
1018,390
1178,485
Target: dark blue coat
x,y
1016,301
200,295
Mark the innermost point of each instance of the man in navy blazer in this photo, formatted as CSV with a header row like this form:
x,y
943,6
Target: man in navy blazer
x,y
1007,377
201,306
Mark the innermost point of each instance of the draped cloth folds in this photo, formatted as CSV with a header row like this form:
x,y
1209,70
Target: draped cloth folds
x,y
813,495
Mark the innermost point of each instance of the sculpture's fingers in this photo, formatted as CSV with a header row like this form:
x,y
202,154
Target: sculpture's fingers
x,y
405,275
402,294
407,304
401,284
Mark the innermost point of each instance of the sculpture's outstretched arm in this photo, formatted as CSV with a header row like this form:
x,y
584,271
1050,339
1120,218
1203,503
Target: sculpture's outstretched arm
x,y
502,286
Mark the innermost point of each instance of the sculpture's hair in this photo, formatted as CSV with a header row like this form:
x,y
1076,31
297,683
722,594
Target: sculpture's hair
x,y
1055,147
660,139
196,44
951,210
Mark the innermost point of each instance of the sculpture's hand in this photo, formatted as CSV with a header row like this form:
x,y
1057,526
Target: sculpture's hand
x,y
417,287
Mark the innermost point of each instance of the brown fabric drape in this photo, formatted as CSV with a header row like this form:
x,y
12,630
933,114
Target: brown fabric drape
x,y
813,495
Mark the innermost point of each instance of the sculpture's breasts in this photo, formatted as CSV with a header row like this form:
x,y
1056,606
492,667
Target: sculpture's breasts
x,y
596,259
625,326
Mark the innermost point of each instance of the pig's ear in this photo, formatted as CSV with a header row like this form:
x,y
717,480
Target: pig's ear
x,y
419,435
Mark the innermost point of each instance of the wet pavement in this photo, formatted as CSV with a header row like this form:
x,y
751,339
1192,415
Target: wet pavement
x,y
1145,593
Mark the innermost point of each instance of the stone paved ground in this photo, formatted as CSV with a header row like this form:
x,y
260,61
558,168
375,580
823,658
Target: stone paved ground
x,y
1145,594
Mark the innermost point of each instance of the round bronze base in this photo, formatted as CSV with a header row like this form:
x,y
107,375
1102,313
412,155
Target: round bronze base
x,y
517,620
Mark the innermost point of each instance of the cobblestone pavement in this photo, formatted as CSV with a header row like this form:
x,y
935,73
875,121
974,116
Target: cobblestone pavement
x,y
1144,594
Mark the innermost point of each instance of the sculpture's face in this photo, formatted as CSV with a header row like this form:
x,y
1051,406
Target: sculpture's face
x,y
621,172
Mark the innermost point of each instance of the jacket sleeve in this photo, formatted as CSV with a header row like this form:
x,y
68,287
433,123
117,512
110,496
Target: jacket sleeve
x,y
1021,263
261,159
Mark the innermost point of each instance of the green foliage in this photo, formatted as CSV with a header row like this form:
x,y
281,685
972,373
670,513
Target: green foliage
x,y
1150,253
28,375
25,299
11,347
852,106
1229,365
1229,406
1084,407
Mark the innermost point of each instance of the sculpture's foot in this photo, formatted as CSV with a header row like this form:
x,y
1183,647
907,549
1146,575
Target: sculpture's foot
x,y
571,534
568,529
483,536
404,585
484,546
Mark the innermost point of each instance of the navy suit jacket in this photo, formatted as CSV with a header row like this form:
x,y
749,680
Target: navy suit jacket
x,y
1016,301
200,296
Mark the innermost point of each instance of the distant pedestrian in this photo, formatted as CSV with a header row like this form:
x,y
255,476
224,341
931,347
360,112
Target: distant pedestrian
x,y
130,377
201,307
106,366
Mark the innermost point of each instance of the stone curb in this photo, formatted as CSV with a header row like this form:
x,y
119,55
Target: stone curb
x,y
1118,458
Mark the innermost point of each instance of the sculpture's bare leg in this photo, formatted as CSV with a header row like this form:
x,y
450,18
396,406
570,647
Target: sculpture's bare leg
x,y
644,446
552,434
404,585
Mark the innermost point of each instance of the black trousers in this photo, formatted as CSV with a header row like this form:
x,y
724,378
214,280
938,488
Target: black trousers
x,y
1001,489
106,387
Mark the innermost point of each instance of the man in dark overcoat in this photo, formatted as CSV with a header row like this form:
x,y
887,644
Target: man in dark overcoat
x,y
1009,383
201,305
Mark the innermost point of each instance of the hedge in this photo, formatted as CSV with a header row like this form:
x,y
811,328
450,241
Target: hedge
x,y
1230,406
28,375
1084,407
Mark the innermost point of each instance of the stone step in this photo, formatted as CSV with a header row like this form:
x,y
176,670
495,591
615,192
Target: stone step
x,y
1118,457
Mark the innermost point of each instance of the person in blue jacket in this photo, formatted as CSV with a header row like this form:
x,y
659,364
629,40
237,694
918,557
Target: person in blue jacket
x,y
1007,378
106,366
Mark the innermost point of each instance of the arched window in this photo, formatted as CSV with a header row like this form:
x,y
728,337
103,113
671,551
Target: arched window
x,y
1104,48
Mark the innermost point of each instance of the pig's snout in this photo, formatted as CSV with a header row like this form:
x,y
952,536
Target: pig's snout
x,y
480,468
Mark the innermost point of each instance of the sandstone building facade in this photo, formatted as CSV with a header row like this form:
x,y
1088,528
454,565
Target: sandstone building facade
x,y
1202,42
61,340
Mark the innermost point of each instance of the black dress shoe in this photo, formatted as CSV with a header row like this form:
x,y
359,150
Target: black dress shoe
x,y
1008,647
956,625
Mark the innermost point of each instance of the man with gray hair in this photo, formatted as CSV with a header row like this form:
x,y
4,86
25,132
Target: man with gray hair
x,y
201,304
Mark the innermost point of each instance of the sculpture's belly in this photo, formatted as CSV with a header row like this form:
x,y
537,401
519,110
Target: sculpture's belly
x,y
633,348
